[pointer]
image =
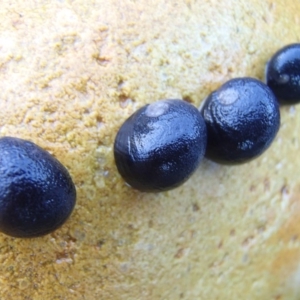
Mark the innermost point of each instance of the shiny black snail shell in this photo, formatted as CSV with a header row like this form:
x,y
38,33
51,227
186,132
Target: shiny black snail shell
x,y
283,74
160,145
37,194
242,119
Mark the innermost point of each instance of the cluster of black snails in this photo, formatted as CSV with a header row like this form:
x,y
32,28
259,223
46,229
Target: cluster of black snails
x,y
156,149
161,144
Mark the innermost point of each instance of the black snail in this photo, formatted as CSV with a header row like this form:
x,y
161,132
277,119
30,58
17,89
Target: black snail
x,y
160,145
283,74
242,119
37,194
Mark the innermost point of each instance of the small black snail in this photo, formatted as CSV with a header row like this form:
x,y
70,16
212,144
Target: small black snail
x,y
283,74
160,145
37,194
242,119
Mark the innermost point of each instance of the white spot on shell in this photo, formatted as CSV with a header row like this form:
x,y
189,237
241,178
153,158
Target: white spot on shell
x,y
266,71
202,103
166,167
245,145
284,78
156,109
207,115
228,96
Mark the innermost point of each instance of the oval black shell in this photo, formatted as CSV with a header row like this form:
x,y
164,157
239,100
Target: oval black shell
x,y
283,74
160,145
37,194
242,119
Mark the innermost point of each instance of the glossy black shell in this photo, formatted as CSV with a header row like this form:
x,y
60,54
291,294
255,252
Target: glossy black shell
x,y
242,119
37,194
160,145
283,74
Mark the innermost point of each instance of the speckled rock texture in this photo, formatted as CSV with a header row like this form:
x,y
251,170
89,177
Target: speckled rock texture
x,y
70,73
